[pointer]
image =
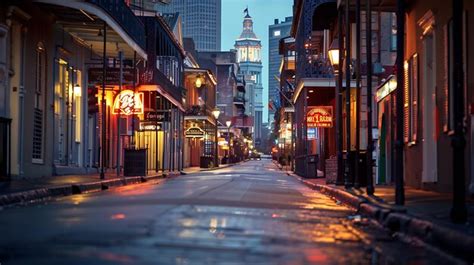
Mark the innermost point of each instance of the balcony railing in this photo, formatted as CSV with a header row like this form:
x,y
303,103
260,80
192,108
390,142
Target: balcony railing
x,y
197,110
314,67
161,79
125,17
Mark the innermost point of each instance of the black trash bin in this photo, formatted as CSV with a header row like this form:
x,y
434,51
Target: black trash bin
x,y
312,166
134,163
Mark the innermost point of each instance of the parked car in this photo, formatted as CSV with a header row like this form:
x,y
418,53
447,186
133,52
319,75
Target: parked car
x,y
255,156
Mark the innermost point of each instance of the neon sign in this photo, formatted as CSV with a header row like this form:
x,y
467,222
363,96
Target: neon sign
x,y
128,103
320,117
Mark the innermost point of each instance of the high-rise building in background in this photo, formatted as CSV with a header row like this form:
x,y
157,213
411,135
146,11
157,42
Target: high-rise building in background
x,y
249,57
201,21
276,32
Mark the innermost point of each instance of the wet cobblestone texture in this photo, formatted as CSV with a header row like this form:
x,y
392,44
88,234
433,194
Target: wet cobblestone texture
x,y
247,214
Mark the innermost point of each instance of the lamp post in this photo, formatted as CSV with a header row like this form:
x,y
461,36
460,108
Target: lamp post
x,y
216,112
228,123
335,59
103,104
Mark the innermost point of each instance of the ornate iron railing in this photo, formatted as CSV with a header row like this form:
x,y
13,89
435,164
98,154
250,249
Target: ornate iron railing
x,y
125,17
197,110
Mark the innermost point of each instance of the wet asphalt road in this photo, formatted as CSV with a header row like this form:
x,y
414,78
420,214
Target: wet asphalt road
x,y
247,214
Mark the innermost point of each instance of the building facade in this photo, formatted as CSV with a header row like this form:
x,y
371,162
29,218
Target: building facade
x,y
249,58
201,21
73,66
277,31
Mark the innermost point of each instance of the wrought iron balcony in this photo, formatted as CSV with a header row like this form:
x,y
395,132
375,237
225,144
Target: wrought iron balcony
x,y
314,67
197,110
125,17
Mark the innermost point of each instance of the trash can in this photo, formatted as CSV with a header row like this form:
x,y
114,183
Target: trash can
x,y
312,166
134,162
207,161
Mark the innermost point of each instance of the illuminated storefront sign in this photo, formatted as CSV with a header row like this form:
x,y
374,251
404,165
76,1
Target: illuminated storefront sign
x,y
320,117
195,132
149,126
128,103
157,116
388,87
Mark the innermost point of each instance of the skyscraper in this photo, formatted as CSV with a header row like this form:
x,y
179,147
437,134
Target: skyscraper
x,y
249,57
276,32
201,21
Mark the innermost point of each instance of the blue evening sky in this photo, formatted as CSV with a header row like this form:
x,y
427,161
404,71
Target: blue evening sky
x,y
263,13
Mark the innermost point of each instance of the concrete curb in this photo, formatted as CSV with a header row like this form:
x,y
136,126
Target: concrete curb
x,y
216,168
397,220
72,189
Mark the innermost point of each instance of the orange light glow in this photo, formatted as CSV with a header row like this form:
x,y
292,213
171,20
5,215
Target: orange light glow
x,y
118,216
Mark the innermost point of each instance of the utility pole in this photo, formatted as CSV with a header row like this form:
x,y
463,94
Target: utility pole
x,y
104,106
357,103
399,170
458,141
370,146
348,174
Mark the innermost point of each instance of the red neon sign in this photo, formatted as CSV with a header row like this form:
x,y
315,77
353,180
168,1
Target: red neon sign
x,y
320,117
128,103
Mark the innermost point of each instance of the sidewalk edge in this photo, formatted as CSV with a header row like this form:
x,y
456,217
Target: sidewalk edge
x,y
398,221
71,189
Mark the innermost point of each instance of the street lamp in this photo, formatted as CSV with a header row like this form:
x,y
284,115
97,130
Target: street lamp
x,y
198,82
228,123
333,53
216,112
336,60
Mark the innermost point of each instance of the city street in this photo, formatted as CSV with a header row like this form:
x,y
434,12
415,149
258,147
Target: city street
x,y
251,213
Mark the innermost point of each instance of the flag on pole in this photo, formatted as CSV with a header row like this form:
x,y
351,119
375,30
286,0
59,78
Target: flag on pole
x,y
270,105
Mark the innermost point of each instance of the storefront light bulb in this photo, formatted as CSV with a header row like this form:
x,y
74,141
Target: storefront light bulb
x,y
77,90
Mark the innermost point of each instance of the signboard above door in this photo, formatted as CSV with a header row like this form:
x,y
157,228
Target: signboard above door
x,y
320,117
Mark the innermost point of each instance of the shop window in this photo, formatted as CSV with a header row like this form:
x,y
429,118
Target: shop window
x,y
38,113
411,95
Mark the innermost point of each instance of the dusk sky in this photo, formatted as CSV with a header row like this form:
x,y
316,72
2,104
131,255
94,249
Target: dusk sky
x,y
263,13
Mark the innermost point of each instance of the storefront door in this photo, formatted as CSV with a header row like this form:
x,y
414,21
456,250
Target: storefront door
x,y
195,151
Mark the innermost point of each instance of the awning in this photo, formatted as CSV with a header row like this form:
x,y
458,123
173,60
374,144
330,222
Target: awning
x,y
84,20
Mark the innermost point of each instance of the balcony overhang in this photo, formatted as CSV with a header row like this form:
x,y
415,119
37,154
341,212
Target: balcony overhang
x,y
163,92
84,20
377,5
200,118
315,83
200,71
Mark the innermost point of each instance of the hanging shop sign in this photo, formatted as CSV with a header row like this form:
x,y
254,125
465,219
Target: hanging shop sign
x,y
128,103
112,76
195,132
159,116
149,126
320,117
